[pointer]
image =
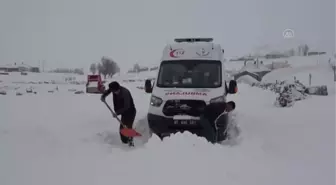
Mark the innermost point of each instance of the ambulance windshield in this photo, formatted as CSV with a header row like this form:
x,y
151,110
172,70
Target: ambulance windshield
x,y
190,74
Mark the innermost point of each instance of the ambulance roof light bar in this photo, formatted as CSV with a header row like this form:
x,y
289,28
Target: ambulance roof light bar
x,y
179,40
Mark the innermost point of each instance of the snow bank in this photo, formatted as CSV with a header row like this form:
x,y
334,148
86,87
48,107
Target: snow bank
x,y
320,75
247,79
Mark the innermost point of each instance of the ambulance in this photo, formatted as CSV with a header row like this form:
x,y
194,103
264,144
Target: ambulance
x,y
191,75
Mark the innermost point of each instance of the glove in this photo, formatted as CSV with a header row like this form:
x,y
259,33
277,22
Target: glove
x,y
114,115
102,98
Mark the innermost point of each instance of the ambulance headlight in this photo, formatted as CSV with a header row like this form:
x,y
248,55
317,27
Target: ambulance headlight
x,y
155,101
217,99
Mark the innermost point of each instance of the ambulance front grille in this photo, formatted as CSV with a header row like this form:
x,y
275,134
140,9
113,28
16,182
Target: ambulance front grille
x,y
183,107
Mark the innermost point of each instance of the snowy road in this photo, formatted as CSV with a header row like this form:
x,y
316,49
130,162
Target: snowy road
x,y
68,139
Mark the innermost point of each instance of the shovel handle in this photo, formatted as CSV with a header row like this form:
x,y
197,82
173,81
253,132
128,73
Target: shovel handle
x,y
112,112
126,129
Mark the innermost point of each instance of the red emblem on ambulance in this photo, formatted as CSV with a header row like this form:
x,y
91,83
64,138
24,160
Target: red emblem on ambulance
x,y
176,53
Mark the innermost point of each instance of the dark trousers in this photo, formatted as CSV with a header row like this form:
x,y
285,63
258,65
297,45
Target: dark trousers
x,y
208,131
214,132
127,119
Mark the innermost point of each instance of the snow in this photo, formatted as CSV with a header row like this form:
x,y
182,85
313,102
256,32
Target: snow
x,y
62,138
247,80
141,76
320,73
40,77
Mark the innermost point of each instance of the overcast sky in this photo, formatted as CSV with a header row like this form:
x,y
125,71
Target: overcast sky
x,y
75,33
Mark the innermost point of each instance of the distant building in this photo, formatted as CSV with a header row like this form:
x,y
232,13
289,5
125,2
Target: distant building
x,y
275,55
9,68
19,68
35,69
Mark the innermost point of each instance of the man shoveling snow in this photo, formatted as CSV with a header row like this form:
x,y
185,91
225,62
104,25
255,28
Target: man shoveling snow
x,y
214,121
124,106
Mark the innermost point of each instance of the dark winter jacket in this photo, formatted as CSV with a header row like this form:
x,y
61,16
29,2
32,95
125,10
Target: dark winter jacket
x,y
123,102
213,110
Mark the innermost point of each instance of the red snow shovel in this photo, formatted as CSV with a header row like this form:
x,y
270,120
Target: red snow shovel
x,y
128,132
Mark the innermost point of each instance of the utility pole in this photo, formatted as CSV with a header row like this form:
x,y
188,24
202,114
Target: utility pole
x,y
43,64
334,68
40,65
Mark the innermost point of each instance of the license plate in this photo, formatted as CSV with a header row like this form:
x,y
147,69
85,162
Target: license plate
x,y
185,122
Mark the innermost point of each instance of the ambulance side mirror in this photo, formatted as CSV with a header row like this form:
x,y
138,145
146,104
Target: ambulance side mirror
x,y
232,89
148,86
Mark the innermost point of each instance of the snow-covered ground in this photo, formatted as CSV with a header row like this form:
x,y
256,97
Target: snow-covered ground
x,y
63,138
16,77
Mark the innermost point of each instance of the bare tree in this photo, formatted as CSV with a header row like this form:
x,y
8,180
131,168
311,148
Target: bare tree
x,y
291,52
100,68
136,68
93,68
108,67
305,50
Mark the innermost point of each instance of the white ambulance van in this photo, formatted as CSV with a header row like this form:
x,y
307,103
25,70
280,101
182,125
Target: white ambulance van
x,y
191,75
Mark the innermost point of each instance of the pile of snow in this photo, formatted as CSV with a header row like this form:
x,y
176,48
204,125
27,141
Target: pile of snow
x,y
247,79
291,91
